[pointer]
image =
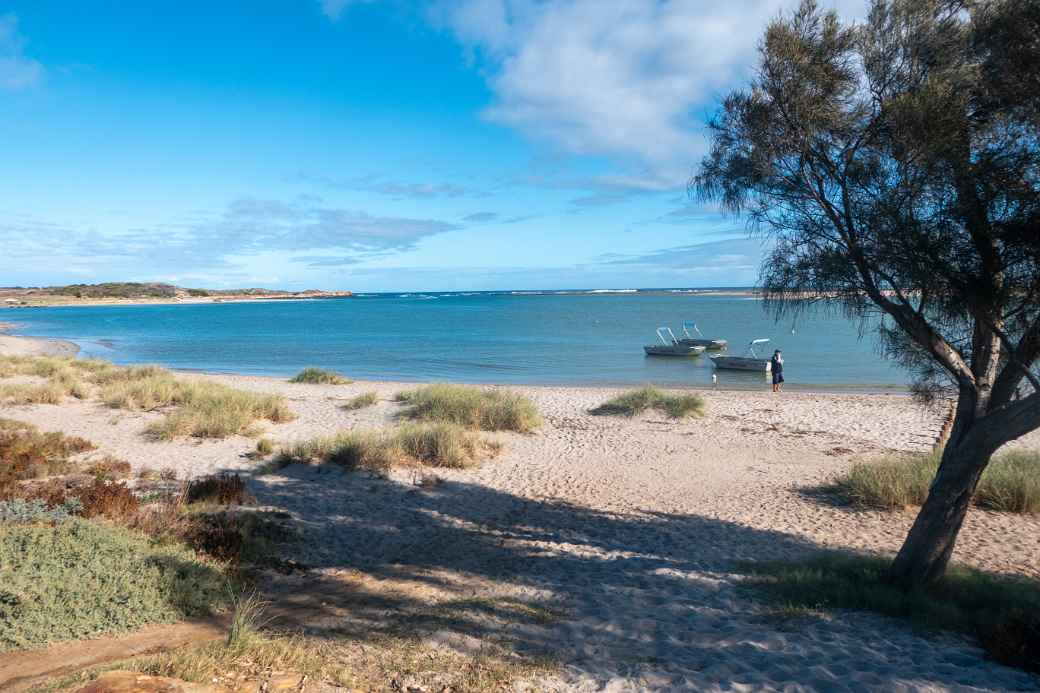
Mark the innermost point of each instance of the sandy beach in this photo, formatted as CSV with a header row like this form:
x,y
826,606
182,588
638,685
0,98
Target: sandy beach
x,y
11,345
627,530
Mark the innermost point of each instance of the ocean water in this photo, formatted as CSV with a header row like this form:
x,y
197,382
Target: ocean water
x,y
479,337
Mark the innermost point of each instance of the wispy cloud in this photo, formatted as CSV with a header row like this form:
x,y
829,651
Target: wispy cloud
x,y
17,70
480,217
248,227
393,188
736,256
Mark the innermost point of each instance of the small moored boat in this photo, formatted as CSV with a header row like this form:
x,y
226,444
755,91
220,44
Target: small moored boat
x,y
670,346
750,361
690,340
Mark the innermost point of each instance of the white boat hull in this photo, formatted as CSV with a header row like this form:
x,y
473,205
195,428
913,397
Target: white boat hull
x,y
742,363
706,343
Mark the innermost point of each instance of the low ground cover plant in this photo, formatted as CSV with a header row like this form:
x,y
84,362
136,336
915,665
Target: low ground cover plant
x,y
1011,482
319,376
1003,613
472,407
119,580
638,401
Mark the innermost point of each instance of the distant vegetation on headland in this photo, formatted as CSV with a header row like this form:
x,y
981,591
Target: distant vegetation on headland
x,y
117,292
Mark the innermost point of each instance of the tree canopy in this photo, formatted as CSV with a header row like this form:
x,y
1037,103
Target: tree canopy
x,y
895,164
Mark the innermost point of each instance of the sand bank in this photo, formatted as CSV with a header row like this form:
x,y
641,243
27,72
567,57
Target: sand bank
x,y
629,530
11,345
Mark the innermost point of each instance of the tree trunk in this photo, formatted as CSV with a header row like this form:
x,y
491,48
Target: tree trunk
x,y
923,557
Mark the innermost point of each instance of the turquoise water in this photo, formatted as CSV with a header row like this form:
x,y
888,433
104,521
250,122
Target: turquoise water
x,y
546,338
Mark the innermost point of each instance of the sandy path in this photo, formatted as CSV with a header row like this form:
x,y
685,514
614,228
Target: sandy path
x,y
632,528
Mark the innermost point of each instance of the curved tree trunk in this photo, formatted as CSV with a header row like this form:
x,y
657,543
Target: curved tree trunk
x,y
923,557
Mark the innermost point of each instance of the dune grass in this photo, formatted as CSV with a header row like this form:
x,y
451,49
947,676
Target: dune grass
x,y
365,399
472,407
264,447
638,401
1011,482
319,376
1002,612
212,410
429,444
118,580
203,409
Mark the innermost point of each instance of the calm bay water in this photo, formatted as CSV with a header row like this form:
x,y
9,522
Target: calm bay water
x,y
470,337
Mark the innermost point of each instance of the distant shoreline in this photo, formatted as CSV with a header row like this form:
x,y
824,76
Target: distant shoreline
x,y
59,301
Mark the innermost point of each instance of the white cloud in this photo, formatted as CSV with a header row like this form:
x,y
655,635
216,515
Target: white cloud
x,y
631,79
17,70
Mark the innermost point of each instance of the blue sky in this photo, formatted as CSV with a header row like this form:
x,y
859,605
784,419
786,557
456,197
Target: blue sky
x,y
373,145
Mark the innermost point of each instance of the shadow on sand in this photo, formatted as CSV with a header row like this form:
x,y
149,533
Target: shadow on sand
x,y
648,600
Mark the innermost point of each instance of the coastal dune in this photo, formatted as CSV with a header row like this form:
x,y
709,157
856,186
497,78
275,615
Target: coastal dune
x,y
628,531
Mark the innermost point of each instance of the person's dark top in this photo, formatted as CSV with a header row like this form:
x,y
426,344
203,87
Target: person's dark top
x,y
778,365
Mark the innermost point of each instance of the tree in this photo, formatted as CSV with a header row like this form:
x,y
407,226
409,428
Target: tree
x,y
895,164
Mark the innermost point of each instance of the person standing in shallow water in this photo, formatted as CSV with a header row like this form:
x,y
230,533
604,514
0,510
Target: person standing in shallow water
x,y
777,367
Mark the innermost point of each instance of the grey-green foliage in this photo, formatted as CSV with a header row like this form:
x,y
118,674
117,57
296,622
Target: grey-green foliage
x,y
78,579
18,510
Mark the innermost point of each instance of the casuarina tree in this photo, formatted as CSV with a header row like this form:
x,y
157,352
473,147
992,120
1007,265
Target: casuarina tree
x,y
895,166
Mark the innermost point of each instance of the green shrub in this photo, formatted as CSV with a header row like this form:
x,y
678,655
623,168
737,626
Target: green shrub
x,y
1011,482
365,399
317,376
115,580
472,407
649,397
1002,612
21,510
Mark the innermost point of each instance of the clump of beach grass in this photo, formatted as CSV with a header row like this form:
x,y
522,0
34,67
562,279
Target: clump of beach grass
x,y
319,376
118,580
439,444
638,401
472,407
429,444
1010,483
365,399
264,447
213,410
1002,612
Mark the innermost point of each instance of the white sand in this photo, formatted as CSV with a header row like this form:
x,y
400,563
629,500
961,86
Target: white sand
x,y
631,527
32,346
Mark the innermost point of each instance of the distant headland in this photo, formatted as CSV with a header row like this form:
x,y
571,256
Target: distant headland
x,y
126,293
